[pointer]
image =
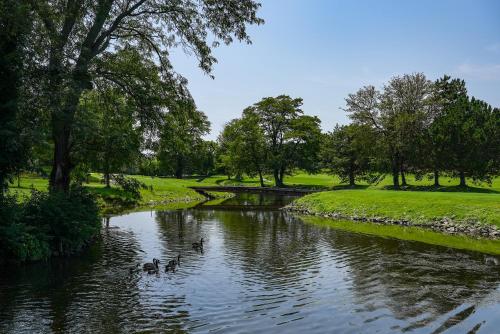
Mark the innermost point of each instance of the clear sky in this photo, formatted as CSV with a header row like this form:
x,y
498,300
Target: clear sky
x,y
321,50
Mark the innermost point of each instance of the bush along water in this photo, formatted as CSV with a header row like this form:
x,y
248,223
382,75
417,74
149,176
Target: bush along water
x,y
127,195
47,224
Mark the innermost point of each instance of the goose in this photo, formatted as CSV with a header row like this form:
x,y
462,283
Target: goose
x,y
175,262
151,266
198,245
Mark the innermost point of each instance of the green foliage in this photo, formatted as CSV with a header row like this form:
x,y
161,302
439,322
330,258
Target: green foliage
x,y
14,26
272,135
79,45
429,127
47,223
181,144
130,185
349,152
106,131
242,147
18,240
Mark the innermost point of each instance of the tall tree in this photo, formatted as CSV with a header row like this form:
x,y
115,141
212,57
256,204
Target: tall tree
x,y
405,105
76,37
447,94
292,139
348,151
243,146
181,137
107,132
470,125
14,26
399,114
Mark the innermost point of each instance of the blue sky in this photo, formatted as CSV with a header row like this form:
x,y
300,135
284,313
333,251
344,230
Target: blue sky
x,y
321,50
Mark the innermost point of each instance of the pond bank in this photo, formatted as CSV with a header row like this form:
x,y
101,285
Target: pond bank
x,y
475,215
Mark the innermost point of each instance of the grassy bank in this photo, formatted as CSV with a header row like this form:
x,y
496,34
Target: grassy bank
x,y
410,233
408,206
160,191
477,203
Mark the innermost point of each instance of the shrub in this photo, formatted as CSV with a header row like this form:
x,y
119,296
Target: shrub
x,y
47,224
17,240
130,185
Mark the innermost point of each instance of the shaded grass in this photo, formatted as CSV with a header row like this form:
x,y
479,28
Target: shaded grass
x,y
410,233
418,207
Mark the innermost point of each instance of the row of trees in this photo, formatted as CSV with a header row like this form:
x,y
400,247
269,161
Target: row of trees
x,y
412,126
418,126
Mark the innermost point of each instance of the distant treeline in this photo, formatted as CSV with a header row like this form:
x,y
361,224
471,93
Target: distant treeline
x,y
412,125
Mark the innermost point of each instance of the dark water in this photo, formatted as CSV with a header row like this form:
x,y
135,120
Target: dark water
x,y
261,271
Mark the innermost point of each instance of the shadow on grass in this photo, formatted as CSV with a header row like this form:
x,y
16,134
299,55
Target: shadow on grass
x,y
347,187
466,189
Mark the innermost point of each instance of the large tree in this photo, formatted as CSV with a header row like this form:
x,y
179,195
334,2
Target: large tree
x,y
109,137
447,94
77,39
471,126
348,152
243,146
399,115
181,139
14,27
292,139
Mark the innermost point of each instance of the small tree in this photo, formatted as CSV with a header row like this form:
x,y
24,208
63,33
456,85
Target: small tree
x,y
181,136
109,137
348,152
243,146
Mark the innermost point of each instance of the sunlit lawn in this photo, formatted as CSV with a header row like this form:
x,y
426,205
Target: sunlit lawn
x,y
416,206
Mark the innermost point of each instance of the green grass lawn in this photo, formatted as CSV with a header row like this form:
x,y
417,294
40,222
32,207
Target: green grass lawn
x,y
164,190
481,202
327,181
410,233
415,206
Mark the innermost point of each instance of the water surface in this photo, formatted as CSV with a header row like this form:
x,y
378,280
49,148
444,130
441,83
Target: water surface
x,y
261,271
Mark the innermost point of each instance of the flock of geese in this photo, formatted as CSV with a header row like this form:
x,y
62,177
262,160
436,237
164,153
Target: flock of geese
x,y
154,267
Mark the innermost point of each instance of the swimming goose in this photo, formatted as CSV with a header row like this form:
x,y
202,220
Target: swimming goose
x,y
198,245
175,262
151,266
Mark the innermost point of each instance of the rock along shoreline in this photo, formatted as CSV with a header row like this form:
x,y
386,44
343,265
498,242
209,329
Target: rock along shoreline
x,y
444,225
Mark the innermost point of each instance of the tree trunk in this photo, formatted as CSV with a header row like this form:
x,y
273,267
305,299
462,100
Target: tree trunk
x,y
277,181
462,179
107,179
281,176
352,182
61,165
62,123
395,173
179,169
261,179
436,178
403,178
